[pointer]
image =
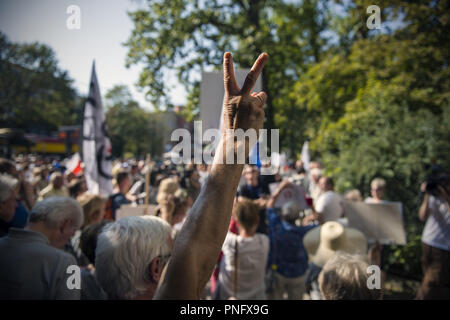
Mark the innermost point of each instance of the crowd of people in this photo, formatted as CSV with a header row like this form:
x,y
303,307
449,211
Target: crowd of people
x,y
268,253
214,231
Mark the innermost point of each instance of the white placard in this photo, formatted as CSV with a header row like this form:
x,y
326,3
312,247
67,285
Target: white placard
x,y
211,96
291,192
129,210
382,222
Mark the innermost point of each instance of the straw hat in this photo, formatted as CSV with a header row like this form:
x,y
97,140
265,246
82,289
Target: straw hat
x,y
322,242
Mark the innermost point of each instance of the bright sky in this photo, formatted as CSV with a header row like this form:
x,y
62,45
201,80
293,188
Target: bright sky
x,y
105,25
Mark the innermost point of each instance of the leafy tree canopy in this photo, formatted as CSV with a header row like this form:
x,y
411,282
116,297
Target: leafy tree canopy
x,y
191,35
378,106
133,130
35,94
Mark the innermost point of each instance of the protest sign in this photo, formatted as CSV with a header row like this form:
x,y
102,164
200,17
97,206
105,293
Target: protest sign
x,y
128,210
292,192
382,222
212,93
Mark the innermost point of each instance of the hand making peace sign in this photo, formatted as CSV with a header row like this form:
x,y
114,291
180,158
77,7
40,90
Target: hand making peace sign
x,y
243,110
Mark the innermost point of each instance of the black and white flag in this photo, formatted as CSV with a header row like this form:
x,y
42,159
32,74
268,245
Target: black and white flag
x,y
96,144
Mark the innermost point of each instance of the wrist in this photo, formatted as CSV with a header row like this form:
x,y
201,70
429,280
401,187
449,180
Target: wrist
x,y
234,148
224,177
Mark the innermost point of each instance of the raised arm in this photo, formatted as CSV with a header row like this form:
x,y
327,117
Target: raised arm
x,y
199,243
274,197
424,211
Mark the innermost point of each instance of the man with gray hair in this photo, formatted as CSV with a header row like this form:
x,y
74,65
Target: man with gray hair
x,y
8,203
377,188
32,266
130,256
328,206
344,277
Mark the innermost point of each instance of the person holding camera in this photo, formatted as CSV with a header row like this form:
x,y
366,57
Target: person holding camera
x,y
435,211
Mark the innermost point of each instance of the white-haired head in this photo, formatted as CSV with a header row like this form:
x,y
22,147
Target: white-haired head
x,y
344,277
7,185
377,187
125,251
378,183
8,202
290,211
316,172
54,210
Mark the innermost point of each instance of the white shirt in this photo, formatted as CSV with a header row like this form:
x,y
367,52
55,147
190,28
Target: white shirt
x,y
372,200
437,228
329,206
252,261
315,191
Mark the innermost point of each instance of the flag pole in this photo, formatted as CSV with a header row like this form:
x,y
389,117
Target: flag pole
x,y
147,181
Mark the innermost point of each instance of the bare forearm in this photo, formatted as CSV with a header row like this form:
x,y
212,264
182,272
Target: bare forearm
x,y
423,211
199,243
211,213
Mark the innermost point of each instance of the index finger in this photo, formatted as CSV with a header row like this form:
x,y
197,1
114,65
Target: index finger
x,y
229,79
254,73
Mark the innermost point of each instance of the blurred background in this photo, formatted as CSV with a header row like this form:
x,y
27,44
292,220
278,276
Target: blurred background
x,y
372,102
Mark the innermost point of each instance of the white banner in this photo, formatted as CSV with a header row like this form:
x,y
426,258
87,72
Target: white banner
x,y
212,93
382,222
129,210
73,164
305,156
96,144
211,101
292,192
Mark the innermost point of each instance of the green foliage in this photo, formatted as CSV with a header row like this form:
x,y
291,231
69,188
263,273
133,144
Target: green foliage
x,y
133,130
35,95
380,108
191,36
372,103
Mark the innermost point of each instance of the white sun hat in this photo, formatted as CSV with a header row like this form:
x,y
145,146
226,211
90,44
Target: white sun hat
x,y
323,242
